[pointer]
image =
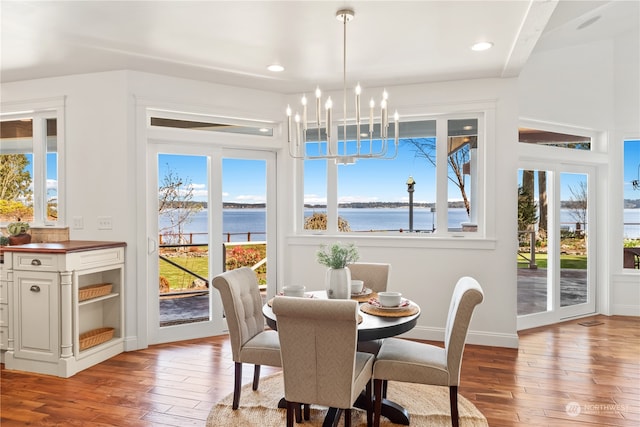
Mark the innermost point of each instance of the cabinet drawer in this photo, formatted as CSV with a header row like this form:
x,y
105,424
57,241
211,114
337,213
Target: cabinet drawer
x,y
35,262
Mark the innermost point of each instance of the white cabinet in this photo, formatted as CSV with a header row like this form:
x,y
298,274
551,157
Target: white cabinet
x,y
66,308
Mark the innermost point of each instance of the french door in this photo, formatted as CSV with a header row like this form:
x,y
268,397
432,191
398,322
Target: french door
x,y
209,209
556,235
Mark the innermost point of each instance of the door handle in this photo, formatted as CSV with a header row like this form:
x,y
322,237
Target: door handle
x,y
36,262
151,246
34,288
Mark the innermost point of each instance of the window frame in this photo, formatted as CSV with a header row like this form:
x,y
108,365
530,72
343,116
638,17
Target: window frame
x,y
39,111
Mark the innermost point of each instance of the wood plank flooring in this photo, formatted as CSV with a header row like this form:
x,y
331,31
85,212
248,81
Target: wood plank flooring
x,y
592,370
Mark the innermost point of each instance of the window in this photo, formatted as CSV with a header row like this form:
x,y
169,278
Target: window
x,y
403,195
631,194
30,173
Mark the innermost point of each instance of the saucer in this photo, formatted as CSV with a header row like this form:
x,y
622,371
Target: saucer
x,y
365,292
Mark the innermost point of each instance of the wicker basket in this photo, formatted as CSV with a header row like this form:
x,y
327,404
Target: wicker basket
x,y
94,291
97,336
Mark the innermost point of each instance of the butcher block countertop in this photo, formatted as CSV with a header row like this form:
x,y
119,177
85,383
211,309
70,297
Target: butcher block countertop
x,y
63,247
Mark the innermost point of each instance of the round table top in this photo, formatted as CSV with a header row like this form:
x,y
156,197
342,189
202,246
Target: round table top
x,y
371,328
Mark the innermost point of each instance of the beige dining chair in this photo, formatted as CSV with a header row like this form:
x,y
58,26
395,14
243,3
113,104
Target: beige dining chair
x,y
250,342
415,362
374,275
320,363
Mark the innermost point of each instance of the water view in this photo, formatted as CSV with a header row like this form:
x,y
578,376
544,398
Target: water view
x,y
238,222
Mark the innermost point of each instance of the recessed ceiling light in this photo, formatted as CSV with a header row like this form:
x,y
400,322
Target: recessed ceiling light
x,y
276,68
480,46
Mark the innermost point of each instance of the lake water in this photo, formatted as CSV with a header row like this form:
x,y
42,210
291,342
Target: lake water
x,y
241,221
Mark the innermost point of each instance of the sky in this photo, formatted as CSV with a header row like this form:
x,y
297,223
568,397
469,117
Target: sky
x,y
366,180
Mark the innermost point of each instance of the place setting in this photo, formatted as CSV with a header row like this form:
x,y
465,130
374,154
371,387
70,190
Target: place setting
x,y
360,292
389,304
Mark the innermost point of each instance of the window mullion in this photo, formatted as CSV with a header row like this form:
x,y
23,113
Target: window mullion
x,y
39,169
442,181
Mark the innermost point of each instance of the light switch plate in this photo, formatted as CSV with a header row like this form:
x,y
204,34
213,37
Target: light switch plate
x,y
105,223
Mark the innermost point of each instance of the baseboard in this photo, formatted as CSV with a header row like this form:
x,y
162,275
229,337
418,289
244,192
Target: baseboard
x,y
625,310
493,339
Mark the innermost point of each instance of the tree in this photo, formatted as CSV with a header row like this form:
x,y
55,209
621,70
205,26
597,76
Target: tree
x,y
527,209
426,148
175,203
578,203
15,180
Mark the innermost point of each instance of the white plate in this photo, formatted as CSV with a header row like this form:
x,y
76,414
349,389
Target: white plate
x,y
403,306
367,291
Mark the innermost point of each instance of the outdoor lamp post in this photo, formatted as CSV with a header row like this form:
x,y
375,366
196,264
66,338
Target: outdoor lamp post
x,y
410,183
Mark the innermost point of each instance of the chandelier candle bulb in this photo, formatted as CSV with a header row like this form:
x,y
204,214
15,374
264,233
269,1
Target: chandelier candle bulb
x,y
318,104
328,106
372,105
358,91
304,114
297,119
289,124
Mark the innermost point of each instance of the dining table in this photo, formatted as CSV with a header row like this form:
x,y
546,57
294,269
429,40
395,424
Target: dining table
x,y
374,323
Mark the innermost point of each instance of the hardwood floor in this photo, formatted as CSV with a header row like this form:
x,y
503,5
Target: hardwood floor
x,y
593,369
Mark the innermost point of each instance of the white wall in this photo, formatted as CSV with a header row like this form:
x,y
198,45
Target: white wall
x,y
595,87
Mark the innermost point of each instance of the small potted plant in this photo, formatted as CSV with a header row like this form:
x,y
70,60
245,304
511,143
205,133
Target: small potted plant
x,y
337,257
18,233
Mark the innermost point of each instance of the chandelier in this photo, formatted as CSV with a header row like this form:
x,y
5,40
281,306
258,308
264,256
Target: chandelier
x,y
305,144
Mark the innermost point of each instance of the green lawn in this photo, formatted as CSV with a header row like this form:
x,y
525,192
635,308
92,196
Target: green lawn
x,y
237,256
566,261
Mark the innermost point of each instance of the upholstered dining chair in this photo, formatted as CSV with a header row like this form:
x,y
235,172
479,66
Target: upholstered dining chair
x,y
250,342
320,364
415,362
374,275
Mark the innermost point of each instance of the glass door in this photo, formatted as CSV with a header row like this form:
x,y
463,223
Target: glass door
x,y
207,213
555,274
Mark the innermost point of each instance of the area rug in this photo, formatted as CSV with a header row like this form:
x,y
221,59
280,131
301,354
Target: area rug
x,y
427,406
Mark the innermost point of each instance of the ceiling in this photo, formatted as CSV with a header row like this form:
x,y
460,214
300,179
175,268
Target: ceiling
x,y
232,42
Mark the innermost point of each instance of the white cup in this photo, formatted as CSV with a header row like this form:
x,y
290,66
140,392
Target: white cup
x,y
294,291
357,286
389,299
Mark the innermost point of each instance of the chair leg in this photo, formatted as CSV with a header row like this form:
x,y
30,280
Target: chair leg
x,y
370,401
298,413
453,399
377,402
385,383
347,417
291,407
307,411
237,385
256,377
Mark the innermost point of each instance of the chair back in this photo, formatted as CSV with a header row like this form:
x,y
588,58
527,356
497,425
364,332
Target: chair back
x,y
374,275
318,348
466,296
242,304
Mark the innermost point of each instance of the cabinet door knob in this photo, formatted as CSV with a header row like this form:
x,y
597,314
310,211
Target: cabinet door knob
x,y
36,262
34,288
